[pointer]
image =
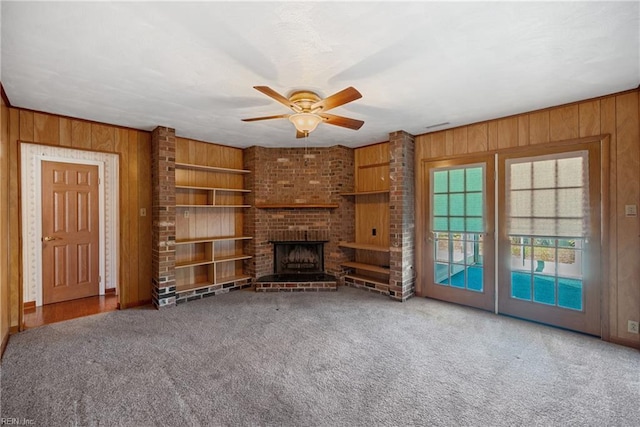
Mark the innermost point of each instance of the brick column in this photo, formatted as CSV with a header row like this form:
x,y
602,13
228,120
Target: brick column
x,y
402,215
163,176
342,172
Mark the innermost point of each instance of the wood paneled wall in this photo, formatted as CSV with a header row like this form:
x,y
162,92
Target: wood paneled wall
x,y
616,115
4,226
134,149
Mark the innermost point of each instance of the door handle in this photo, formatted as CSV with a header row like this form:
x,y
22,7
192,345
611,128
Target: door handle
x,y
50,238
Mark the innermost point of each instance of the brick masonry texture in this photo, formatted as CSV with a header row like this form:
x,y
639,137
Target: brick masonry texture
x,y
163,148
296,286
298,175
402,215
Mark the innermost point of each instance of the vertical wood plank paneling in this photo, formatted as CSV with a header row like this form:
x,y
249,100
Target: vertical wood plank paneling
x,y
448,142
121,147
628,144
539,127
460,140
477,138
4,225
523,129
564,123
46,129
608,126
508,132
26,126
423,145
145,232
15,122
492,132
134,224
80,134
65,132
102,137
438,144
589,118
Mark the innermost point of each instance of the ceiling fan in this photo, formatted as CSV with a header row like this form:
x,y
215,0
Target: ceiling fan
x,y
309,109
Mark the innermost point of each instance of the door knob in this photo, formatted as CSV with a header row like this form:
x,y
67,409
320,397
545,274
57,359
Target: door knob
x,y
50,238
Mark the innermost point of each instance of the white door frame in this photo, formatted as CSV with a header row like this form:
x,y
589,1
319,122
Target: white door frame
x,y
32,156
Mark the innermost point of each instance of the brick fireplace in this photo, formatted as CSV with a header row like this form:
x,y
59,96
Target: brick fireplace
x,y
295,197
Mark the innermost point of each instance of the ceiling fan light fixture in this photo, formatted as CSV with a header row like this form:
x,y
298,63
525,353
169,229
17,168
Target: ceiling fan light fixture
x,y
305,122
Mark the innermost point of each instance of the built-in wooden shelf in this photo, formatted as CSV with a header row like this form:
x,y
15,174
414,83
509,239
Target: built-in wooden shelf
x,y
211,239
229,258
366,267
364,193
227,190
210,168
296,205
366,279
193,263
364,246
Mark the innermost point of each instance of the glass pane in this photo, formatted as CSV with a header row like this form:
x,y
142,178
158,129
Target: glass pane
x,y
440,223
521,285
456,204
570,202
456,224
544,174
456,180
458,276
570,172
458,249
474,179
474,279
441,182
442,250
440,205
474,204
520,203
544,289
475,225
544,203
544,258
544,242
570,293
520,257
520,176
441,273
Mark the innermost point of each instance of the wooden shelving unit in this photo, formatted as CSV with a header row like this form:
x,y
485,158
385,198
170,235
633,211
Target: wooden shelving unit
x,y
209,243
369,266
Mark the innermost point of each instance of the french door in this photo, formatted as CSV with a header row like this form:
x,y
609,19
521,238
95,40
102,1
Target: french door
x,y
549,241
548,234
460,244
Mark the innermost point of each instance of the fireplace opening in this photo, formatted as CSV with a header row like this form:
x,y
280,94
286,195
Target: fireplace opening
x,y
298,257
300,261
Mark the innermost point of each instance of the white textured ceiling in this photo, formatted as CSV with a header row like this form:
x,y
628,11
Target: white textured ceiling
x,y
192,66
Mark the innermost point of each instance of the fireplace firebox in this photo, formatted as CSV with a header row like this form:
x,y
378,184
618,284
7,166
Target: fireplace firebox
x,y
298,261
298,257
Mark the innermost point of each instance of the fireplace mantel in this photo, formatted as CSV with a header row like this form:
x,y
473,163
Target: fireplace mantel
x,y
297,205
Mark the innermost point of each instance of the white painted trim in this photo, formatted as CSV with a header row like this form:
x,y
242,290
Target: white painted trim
x,y
32,156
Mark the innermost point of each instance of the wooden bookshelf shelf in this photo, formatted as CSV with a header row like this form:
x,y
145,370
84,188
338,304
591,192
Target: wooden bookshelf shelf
x,y
211,239
364,246
230,190
366,267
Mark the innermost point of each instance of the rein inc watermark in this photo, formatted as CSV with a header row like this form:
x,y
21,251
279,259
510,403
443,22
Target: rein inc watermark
x,y
17,422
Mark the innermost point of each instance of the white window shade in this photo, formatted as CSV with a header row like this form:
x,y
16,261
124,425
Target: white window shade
x,y
548,196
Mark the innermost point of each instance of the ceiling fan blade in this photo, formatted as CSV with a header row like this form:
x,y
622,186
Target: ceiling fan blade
x,y
344,122
337,99
275,95
255,119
